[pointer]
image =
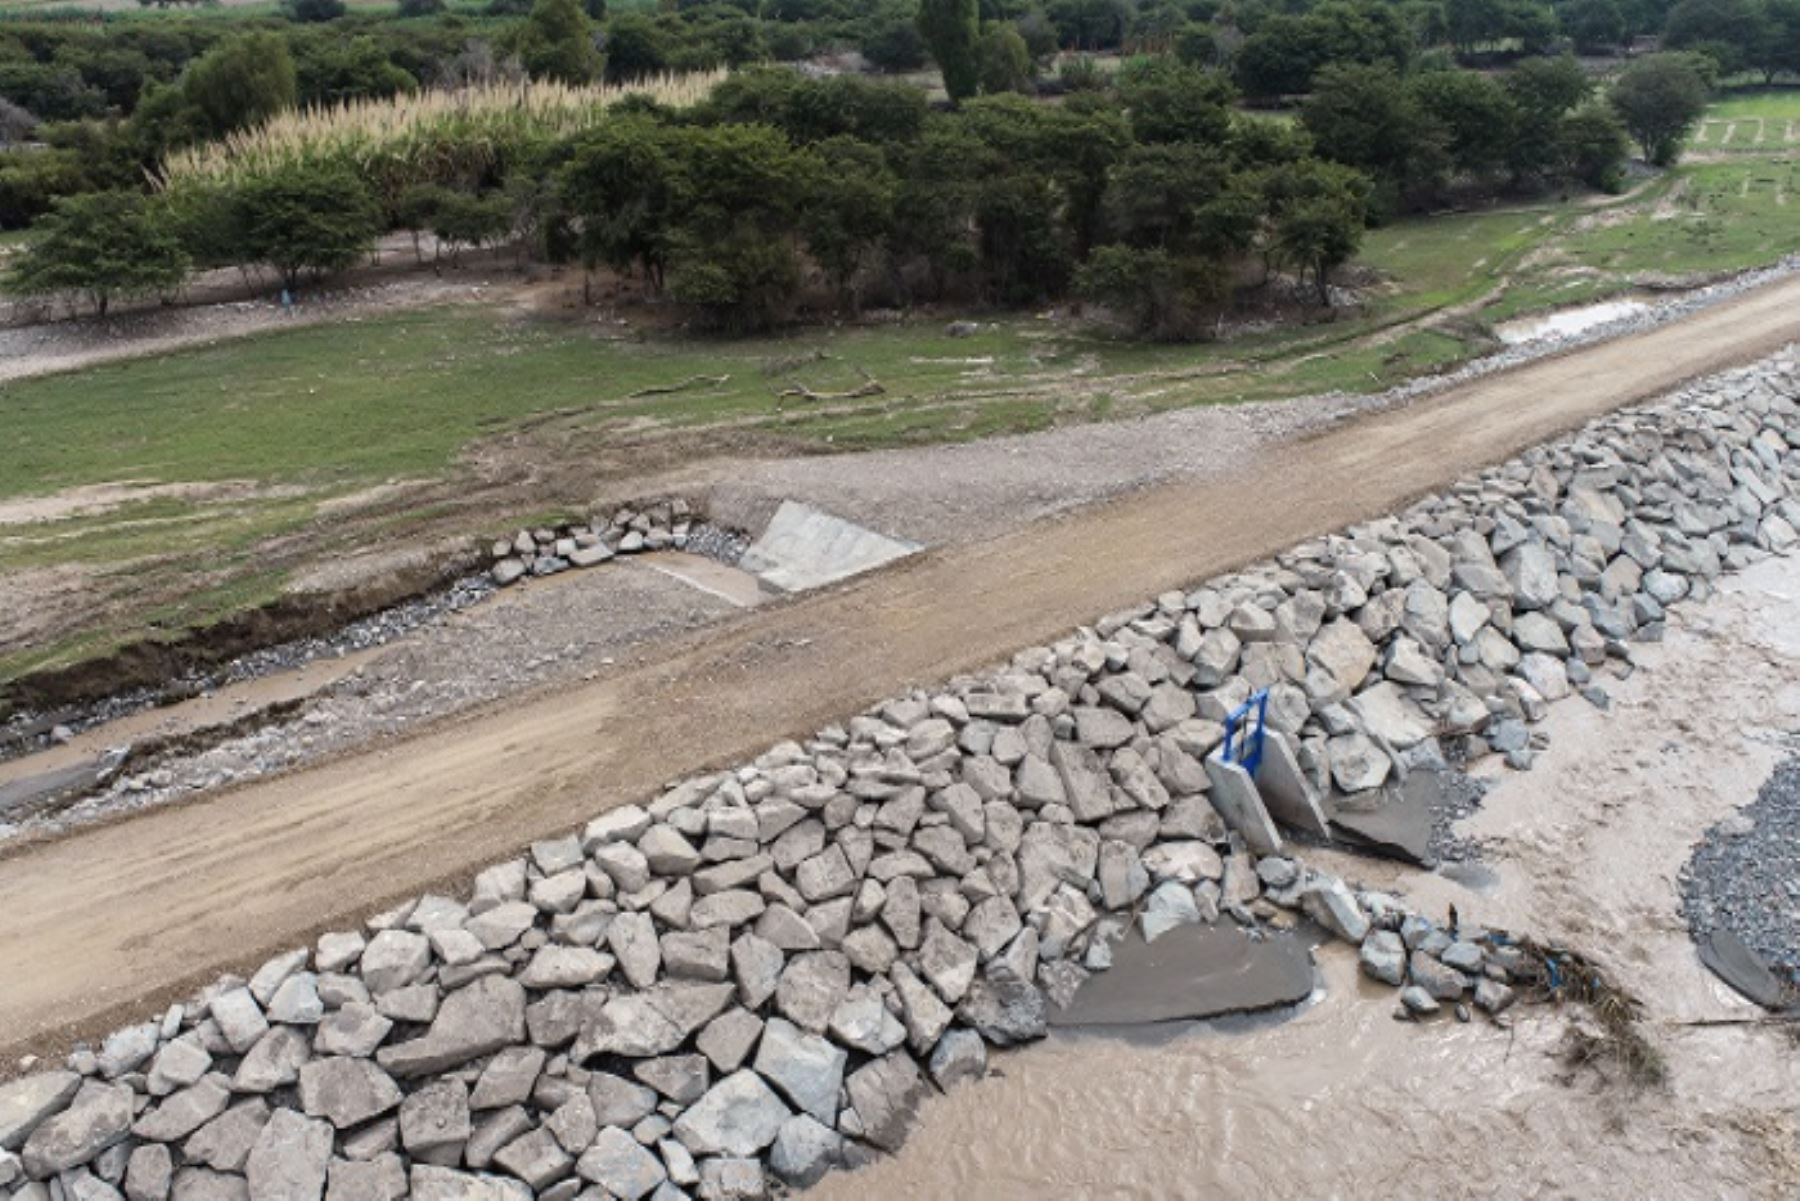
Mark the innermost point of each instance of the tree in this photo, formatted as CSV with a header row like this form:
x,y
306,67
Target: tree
x,y
623,185
1183,198
557,42
1005,60
895,45
421,8
635,48
952,31
1364,117
737,223
306,220
313,11
1595,26
1658,99
1592,146
1164,296
1317,212
101,245
1169,101
1728,31
1542,90
1778,49
1477,114
241,82
850,211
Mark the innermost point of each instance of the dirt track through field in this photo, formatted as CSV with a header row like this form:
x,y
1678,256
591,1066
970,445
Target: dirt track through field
x,y
111,922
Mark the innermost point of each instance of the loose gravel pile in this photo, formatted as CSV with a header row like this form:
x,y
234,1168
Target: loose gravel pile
x,y
758,975
1745,875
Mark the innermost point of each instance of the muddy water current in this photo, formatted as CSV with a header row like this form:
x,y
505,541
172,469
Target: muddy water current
x,y
1336,1099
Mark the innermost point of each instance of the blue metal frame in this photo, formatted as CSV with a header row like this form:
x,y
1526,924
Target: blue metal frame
x,y
1250,748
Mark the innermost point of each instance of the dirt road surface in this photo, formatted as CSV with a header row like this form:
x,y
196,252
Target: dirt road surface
x,y
113,921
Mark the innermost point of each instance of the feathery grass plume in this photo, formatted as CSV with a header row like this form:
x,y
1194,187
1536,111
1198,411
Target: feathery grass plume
x,y
432,136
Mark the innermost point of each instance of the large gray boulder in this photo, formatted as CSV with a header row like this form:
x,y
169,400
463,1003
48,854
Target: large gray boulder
x,y
476,1020
98,1116
27,1102
740,1115
290,1159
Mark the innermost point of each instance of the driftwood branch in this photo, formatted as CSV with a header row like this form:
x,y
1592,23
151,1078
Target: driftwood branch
x,y
869,387
693,381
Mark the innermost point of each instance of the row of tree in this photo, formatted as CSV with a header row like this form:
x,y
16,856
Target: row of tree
x,y
1154,195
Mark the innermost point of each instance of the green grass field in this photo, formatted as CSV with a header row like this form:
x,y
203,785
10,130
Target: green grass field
x,y
310,415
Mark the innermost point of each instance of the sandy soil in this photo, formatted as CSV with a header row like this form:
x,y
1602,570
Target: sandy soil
x,y
121,915
1345,1102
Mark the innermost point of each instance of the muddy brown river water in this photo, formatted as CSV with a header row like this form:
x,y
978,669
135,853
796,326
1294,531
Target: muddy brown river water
x,y
1341,1101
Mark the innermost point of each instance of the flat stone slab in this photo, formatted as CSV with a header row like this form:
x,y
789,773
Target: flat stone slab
x,y
1192,972
1736,964
804,548
1401,827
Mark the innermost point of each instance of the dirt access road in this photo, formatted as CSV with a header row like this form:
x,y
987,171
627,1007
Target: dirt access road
x,y
108,923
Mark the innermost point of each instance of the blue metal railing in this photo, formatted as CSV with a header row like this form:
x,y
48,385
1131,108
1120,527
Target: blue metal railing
x,y
1249,749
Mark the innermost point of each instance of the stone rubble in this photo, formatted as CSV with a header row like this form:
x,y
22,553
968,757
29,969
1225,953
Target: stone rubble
x,y
657,525
758,975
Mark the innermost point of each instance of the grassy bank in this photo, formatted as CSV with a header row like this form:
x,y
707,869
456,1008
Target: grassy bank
x,y
490,415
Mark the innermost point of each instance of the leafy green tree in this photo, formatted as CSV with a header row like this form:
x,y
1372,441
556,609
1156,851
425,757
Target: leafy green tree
x,y
1164,296
241,82
1090,24
850,212
635,48
1183,198
1592,146
1168,101
1542,90
1276,60
1729,31
314,11
1366,118
1197,46
1659,98
101,245
735,238
934,214
895,45
1479,116
332,68
1595,26
1778,50
421,8
1472,23
623,184
557,42
952,31
1317,213
306,221
1005,60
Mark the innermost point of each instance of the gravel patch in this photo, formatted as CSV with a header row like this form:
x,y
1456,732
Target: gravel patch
x,y
1742,877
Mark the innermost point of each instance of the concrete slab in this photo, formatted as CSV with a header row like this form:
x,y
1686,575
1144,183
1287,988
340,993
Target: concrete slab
x,y
1288,795
804,548
1191,972
732,584
71,780
1738,966
1400,826
1238,802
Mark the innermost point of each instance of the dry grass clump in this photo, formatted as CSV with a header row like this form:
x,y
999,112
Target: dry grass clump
x,y
426,135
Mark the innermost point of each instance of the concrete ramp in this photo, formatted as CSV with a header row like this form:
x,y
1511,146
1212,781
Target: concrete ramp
x,y
804,548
